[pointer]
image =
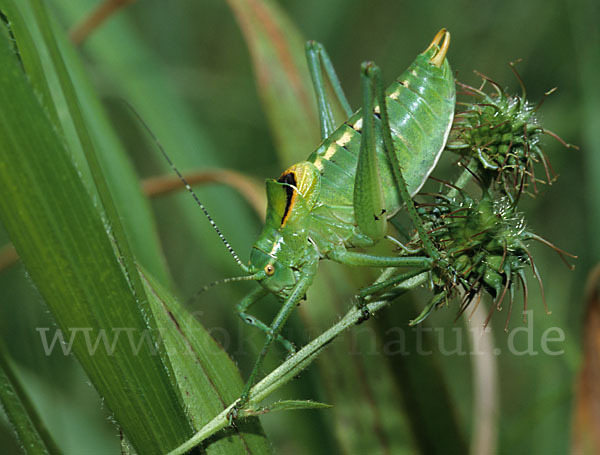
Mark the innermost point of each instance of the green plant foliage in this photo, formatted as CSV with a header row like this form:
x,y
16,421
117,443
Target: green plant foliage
x,y
31,433
215,86
502,133
49,77
73,260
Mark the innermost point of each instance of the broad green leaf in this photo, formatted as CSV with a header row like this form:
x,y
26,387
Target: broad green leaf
x,y
207,379
65,246
69,255
135,72
48,78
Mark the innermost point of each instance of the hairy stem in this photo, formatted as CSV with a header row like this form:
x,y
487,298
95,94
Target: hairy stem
x,y
291,367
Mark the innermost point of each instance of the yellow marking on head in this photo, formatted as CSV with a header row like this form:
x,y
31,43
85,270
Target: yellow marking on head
x,y
346,137
287,215
358,125
377,110
304,182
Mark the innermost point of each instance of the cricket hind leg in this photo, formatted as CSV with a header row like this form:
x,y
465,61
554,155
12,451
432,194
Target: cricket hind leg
x,y
389,286
374,92
369,196
388,279
244,306
315,56
369,199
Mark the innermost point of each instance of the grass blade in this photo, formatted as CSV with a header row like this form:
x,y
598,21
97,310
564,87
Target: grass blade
x,y
63,242
121,242
31,431
82,123
85,286
208,381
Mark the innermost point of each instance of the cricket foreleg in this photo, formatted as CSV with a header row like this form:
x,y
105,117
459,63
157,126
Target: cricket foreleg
x,y
315,55
243,307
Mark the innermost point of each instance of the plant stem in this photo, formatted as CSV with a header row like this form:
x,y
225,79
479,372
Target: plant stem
x,y
291,367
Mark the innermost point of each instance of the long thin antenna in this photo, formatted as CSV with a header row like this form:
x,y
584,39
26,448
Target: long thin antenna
x,y
256,276
189,188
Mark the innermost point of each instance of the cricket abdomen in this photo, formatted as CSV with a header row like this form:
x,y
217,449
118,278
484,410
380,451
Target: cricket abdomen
x,y
420,106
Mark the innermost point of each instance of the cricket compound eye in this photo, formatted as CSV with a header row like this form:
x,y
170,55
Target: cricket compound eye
x,y
269,269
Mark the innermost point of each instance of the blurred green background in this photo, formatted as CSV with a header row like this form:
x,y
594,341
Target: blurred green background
x,y
186,67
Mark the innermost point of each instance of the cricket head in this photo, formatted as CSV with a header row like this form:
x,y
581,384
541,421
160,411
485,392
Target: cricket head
x,y
273,274
282,248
